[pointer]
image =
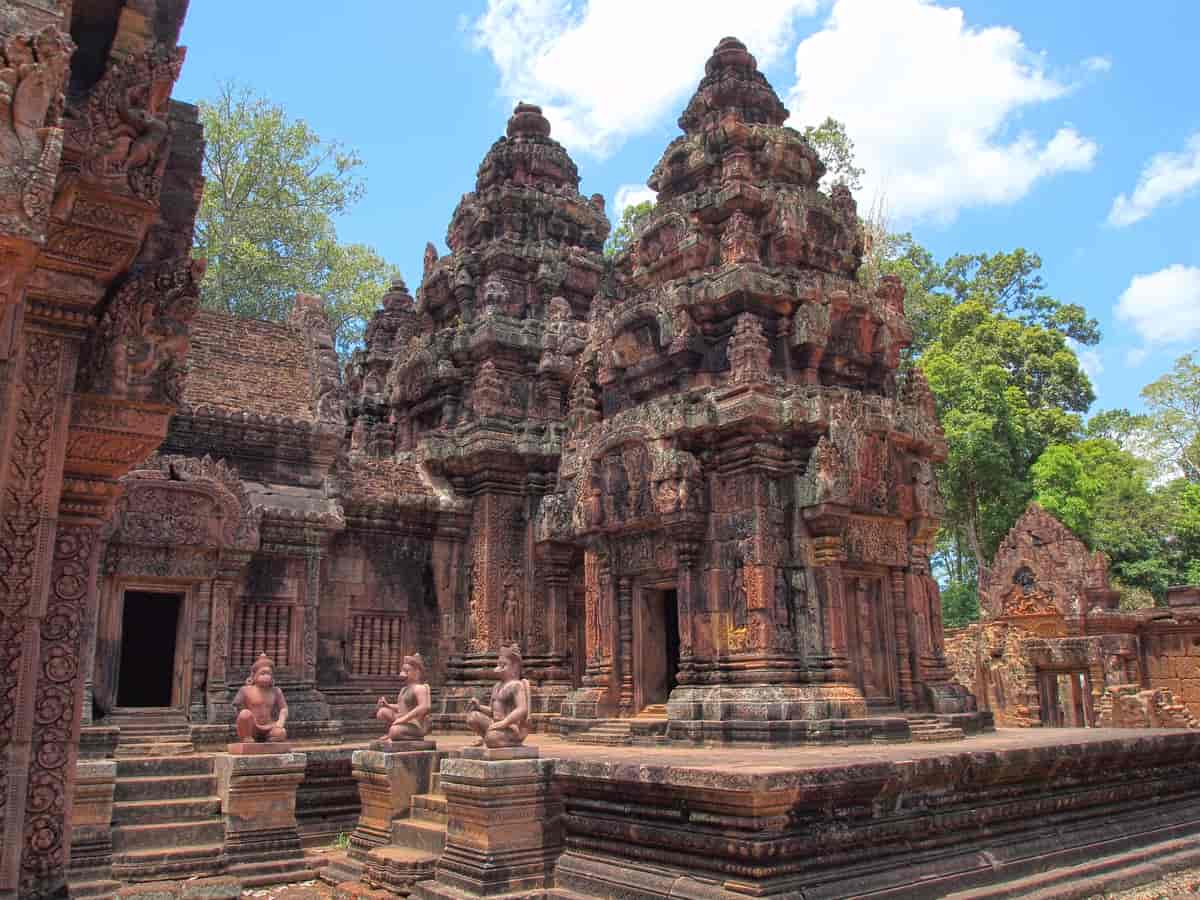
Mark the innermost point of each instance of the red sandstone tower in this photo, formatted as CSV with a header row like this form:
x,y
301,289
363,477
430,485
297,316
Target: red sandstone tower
x,y
747,473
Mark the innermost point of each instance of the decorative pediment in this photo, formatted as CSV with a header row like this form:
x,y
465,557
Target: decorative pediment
x,y
186,501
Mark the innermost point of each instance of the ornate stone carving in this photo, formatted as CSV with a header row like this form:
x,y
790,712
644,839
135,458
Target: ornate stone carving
x,y
121,133
33,68
138,350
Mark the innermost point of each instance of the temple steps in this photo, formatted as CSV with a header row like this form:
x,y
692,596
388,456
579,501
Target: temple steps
x,y
166,787
609,733
148,812
151,733
927,728
653,711
430,807
166,818
419,834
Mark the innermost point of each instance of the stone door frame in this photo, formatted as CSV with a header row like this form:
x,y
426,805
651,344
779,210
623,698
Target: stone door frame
x,y
887,629
640,587
112,624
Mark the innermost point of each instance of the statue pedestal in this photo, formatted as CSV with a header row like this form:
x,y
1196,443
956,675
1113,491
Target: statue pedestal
x,y
387,745
90,872
258,803
258,748
504,831
387,782
500,754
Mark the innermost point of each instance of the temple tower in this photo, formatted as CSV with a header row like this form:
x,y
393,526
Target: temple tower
x,y
471,382
747,471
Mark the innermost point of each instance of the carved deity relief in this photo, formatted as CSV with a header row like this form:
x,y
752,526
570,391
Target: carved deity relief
x,y
739,240
139,349
33,68
749,351
122,132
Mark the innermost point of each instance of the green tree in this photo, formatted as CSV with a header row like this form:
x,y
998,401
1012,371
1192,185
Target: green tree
x,y
1005,391
836,150
1173,424
631,218
1151,534
265,224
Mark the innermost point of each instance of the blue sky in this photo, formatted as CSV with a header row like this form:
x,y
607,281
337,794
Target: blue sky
x,y
1070,128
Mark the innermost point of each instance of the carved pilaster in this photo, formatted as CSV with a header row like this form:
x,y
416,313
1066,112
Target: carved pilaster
x,y
625,617
904,653
688,554
31,462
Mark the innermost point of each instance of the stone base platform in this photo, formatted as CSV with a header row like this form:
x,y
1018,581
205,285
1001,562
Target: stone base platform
x,y
1012,813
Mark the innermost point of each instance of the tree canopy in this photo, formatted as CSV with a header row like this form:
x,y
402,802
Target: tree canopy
x,y
266,221
631,217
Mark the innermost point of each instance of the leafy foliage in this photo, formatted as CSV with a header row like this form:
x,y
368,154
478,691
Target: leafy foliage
x,y
622,236
265,224
1005,391
1151,534
836,150
1174,421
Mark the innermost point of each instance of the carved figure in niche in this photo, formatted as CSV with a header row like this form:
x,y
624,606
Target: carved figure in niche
x,y
785,611
505,723
511,610
923,486
862,599
408,717
262,709
1024,578
737,596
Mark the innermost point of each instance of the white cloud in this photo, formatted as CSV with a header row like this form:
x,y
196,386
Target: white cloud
x,y
1165,178
604,70
1089,359
1164,306
931,104
1098,64
1135,356
628,195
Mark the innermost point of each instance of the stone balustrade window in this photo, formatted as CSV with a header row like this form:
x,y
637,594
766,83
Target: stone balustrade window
x,y
261,628
376,643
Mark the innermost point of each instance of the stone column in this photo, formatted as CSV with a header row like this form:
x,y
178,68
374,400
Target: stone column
x,y
904,655
688,554
91,828
625,617
223,597
504,830
258,804
44,581
833,665
386,785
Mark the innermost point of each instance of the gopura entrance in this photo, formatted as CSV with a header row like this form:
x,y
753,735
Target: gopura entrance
x,y
149,641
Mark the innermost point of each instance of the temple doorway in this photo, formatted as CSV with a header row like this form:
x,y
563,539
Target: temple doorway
x,y
656,646
150,624
1065,698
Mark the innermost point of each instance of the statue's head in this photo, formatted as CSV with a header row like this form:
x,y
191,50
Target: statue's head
x,y
262,673
412,670
508,666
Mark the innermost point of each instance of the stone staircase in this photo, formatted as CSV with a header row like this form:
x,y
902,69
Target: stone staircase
x,y
416,845
166,818
927,727
151,732
647,727
608,733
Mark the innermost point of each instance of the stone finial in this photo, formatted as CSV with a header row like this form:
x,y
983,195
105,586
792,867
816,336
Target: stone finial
x,y
527,121
730,52
732,85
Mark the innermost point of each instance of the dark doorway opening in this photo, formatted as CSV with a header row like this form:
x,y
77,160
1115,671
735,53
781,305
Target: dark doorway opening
x,y
1066,699
148,629
657,647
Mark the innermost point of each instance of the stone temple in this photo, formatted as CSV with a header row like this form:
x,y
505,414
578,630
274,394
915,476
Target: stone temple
x,y
685,495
